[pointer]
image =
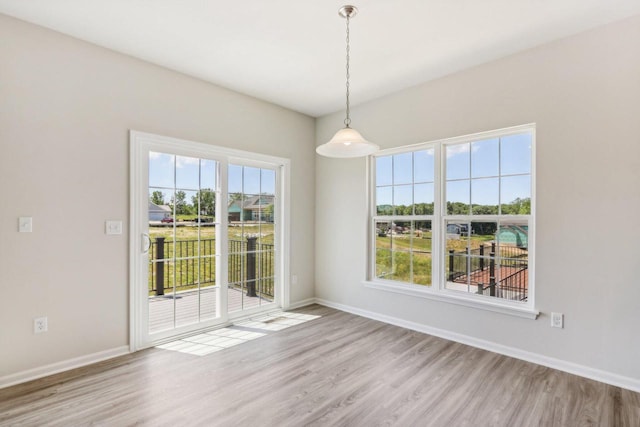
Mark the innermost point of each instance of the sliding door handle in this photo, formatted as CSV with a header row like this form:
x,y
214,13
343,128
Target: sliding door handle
x,y
146,243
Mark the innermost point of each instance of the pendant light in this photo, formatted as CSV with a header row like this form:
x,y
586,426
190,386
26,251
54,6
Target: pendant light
x,y
347,142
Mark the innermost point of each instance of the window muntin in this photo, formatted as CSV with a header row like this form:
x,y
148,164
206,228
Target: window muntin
x,y
482,215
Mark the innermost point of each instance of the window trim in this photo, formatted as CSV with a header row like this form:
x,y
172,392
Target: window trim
x,y
437,291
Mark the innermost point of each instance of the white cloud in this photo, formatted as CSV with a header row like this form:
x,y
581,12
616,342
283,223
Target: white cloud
x,y
186,161
454,150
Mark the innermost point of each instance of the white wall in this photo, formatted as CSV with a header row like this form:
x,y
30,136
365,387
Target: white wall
x,y
65,110
584,94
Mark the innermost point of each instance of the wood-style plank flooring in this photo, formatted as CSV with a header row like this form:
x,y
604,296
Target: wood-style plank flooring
x,y
338,370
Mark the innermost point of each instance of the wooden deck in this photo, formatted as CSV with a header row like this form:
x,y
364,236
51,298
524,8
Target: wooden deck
x,y
483,276
510,292
187,303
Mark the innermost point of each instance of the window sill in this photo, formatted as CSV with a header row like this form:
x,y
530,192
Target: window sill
x,y
453,297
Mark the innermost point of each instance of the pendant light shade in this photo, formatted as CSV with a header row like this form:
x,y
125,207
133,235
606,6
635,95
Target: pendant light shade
x,y
347,142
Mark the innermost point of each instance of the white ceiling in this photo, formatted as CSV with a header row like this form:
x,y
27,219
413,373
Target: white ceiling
x,y
292,52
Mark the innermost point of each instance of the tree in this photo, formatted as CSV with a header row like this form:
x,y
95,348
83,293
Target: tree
x,y
404,210
424,208
385,209
157,198
180,203
207,198
485,209
484,228
518,207
457,208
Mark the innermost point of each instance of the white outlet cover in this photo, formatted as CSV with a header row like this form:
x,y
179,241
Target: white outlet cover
x,y
113,227
25,224
557,320
40,325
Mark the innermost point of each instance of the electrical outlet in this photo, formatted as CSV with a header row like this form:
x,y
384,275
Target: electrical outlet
x,y
294,279
40,325
557,320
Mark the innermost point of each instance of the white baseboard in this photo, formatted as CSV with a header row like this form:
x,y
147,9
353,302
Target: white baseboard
x,y
65,365
550,362
303,303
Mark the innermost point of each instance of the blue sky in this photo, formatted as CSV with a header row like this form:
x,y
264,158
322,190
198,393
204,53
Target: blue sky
x,y
484,172
248,180
192,174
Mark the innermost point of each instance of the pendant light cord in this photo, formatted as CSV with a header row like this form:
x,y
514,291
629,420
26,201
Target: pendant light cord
x,y
347,142
347,120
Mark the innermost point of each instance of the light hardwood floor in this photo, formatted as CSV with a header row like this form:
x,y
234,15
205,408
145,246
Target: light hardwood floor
x,y
338,370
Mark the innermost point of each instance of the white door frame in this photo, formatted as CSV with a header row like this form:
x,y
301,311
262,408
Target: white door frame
x,y
140,145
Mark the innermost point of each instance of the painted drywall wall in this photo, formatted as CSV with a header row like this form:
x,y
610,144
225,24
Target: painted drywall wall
x,y
65,111
583,93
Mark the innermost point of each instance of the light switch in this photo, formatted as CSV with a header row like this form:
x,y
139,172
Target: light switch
x,y
25,224
113,227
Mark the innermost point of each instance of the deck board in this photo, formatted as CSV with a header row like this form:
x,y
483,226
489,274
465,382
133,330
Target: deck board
x,y
189,306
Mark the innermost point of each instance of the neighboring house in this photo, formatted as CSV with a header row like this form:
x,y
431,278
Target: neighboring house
x,y
458,230
158,212
254,208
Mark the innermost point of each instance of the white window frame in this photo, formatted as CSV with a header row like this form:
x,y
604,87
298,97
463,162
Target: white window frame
x,y
437,291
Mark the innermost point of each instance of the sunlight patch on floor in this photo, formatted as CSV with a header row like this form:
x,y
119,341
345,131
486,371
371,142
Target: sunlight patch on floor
x,y
219,339
276,321
210,342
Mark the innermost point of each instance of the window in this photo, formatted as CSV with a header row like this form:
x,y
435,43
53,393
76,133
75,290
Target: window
x,y
454,217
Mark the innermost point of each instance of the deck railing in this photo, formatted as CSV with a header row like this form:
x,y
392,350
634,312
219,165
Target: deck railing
x,y
250,266
514,286
464,265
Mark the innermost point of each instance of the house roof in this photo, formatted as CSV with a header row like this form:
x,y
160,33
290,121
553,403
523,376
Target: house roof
x,y
251,203
159,208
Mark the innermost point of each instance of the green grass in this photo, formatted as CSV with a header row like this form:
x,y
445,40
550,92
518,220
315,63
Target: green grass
x,y
401,257
405,242
404,266
235,232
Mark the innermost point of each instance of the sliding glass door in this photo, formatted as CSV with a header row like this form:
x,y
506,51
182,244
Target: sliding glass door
x,y
206,236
